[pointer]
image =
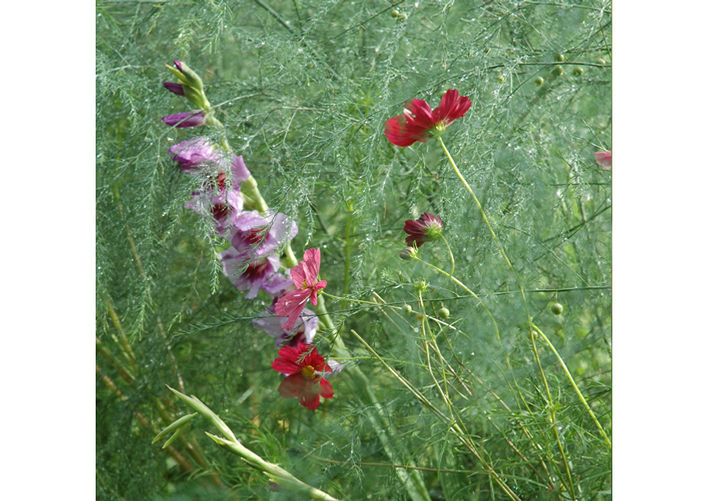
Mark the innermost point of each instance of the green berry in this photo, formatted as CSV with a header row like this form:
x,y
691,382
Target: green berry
x,y
539,81
444,313
501,78
600,61
556,308
558,71
560,57
579,71
407,308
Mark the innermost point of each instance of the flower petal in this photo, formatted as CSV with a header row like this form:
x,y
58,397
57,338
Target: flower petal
x,y
292,386
325,388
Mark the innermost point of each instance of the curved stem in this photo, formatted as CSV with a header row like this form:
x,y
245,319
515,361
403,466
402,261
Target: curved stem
x,y
572,382
450,253
531,331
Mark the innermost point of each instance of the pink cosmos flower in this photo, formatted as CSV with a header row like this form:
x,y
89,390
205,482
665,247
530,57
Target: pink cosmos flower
x,y
305,277
304,368
427,227
418,120
603,159
186,119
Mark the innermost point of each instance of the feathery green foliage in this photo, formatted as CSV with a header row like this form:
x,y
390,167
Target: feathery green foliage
x,y
303,90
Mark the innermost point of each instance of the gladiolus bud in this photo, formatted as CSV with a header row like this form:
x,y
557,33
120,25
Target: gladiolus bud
x,y
175,88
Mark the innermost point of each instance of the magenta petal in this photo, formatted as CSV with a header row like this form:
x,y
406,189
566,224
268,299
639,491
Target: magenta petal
x,y
325,388
186,119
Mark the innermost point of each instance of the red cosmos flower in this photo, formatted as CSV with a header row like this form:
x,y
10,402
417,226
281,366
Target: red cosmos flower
x,y
305,277
419,120
603,159
305,369
427,227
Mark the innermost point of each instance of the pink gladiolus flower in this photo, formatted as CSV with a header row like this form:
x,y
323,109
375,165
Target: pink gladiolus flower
x,y
262,234
427,227
250,273
304,368
418,120
194,154
603,159
305,277
186,119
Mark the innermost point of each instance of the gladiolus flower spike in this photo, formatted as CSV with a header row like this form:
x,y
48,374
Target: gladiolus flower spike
x,y
306,280
427,227
304,368
419,122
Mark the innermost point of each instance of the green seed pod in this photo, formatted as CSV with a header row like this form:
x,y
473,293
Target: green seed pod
x,y
444,313
556,308
578,71
558,71
560,57
539,81
407,308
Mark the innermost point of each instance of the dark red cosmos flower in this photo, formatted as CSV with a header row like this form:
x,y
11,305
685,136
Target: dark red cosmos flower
x,y
418,119
427,227
305,369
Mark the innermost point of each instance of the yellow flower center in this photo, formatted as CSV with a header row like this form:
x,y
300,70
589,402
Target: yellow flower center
x,y
308,372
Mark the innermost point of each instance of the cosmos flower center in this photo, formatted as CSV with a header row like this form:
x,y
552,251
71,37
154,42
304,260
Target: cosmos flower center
x,y
308,372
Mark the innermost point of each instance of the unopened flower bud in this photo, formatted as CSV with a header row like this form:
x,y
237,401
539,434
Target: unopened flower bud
x,y
408,253
421,286
175,88
186,119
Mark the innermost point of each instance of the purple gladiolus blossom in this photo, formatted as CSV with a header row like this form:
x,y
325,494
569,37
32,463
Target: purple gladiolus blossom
x,y
194,154
261,235
277,284
175,88
304,330
248,274
186,119
223,207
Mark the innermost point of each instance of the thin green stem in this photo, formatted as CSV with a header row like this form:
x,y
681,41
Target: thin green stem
x,y
572,382
450,253
273,471
551,406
